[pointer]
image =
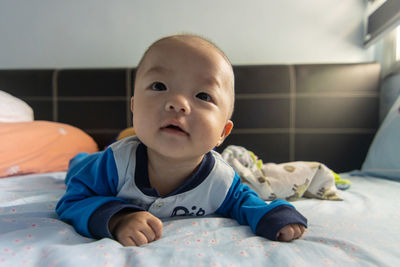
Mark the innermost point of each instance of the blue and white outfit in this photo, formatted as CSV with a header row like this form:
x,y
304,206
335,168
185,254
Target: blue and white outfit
x,y
101,184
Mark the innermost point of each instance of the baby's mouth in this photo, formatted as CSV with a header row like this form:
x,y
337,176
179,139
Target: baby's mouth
x,y
174,129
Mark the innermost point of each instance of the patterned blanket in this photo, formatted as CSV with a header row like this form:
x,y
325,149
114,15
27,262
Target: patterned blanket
x,y
290,181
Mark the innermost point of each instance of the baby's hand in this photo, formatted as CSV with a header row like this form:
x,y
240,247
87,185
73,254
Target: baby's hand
x,y
290,232
135,228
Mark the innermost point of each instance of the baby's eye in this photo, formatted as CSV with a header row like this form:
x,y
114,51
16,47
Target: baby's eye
x,y
204,97
158,86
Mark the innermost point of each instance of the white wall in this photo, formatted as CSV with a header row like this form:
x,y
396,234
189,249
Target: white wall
x,y
105,33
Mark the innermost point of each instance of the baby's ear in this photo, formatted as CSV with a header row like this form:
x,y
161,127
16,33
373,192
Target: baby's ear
x,y
132,103
227,130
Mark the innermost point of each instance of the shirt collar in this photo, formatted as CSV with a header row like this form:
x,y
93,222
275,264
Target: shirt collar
x,y
142,176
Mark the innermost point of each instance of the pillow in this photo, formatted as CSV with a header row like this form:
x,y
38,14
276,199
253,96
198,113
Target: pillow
x,y
390,90
40,146
383,158
13,109
126,133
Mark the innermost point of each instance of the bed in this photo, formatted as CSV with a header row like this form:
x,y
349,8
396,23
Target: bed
x,y
361,230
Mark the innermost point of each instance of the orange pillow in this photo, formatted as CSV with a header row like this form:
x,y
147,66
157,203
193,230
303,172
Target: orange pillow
x,y
126,133
40,146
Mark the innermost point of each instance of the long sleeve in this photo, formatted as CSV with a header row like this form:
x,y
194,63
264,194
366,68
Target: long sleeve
x,y
92,182
244,205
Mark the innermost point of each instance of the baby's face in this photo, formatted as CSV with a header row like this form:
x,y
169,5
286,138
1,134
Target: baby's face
x,y
183,98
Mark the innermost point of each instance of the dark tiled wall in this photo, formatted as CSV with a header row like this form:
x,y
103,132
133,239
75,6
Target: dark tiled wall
x,y
95,100
321,112
324,112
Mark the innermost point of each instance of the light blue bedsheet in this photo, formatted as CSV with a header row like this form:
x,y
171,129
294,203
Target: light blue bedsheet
x,y
362,230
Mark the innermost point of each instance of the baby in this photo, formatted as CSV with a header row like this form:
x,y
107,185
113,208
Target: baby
x,y
182,105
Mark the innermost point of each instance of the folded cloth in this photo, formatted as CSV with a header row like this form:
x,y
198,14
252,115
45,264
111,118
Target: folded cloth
x,y
290,181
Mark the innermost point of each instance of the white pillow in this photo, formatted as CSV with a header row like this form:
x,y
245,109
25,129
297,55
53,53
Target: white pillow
x,y
383,158
13,109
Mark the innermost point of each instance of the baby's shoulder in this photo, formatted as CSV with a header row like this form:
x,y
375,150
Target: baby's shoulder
x,y
126,143
219,160
124,150
221,167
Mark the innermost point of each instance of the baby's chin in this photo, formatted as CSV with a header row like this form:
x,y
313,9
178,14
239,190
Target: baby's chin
x,y
178,149
176,153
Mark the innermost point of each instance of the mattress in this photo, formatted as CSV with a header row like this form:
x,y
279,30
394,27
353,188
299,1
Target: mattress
x,y
361,230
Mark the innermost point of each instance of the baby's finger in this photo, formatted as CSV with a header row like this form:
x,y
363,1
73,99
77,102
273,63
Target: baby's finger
x,y
296,231
302,229
149,234
286,234
139,238
127,241
157,227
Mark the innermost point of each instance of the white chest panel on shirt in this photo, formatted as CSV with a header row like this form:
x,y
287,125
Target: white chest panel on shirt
x,y
202,200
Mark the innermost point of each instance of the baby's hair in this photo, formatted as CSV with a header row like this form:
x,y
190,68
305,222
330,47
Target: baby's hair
x,y
193,36
185,35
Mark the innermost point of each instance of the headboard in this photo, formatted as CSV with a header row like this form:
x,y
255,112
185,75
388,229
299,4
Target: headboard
x,y
316,112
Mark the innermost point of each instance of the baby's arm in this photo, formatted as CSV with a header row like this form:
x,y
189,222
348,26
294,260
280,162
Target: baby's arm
x,y
135,228
278,220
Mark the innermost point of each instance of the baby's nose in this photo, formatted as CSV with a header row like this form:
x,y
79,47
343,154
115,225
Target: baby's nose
x,y
178,103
